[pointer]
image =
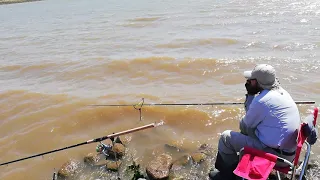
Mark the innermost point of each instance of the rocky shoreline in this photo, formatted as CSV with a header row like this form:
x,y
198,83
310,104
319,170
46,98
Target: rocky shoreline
x,y
2,2
113,161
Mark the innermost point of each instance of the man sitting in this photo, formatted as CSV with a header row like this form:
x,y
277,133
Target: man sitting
x,y
271,123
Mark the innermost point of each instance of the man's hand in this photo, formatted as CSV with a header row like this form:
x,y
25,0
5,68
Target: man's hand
x,y
251,90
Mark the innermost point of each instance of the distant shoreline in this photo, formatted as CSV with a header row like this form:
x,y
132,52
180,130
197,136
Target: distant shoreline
x,y
15,1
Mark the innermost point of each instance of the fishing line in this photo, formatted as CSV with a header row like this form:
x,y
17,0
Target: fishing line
x,y
139,105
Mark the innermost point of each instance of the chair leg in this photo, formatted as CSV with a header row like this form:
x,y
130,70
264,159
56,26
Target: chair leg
x,y
293,172
304,167
278,175
305,162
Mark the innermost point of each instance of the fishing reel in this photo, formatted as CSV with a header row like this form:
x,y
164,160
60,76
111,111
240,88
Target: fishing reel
x,y
103,148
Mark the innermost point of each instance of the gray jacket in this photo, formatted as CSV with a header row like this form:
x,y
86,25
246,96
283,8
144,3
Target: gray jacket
x,y
272,117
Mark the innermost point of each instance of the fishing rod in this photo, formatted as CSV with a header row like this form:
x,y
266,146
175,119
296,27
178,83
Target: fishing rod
x,y
186,104
152,125
139,105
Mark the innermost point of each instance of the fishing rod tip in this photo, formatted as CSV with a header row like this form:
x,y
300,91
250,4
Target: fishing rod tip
x,y
159,123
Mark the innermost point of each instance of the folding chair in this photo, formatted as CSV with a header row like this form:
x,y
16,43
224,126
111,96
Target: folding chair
x,y
255,164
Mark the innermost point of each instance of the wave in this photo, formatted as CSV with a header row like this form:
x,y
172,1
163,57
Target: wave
x,y
25,68
25,110
144,19
183,43
138,70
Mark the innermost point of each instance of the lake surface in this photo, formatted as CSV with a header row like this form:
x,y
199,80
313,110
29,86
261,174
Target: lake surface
x,y
57,57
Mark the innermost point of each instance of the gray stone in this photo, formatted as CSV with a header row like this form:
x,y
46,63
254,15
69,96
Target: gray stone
x,y
117,151
68,169
159,168
198,157
113,165
91,159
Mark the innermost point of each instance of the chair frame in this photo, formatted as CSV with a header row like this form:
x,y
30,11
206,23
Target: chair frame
x,y
291,168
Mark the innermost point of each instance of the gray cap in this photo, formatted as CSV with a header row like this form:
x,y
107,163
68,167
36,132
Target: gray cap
x,y
265,75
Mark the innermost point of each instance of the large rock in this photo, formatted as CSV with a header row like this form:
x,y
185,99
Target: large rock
x,y
198,157
124,141
68,170
113,165
159,168
117,151
91,159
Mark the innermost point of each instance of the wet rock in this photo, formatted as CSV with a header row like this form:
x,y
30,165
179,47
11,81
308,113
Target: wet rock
x,y
207,150
118,140
68,170
91,159
172,147
159,168
124,141
109,164
117,151
198,157
113,165
183,161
